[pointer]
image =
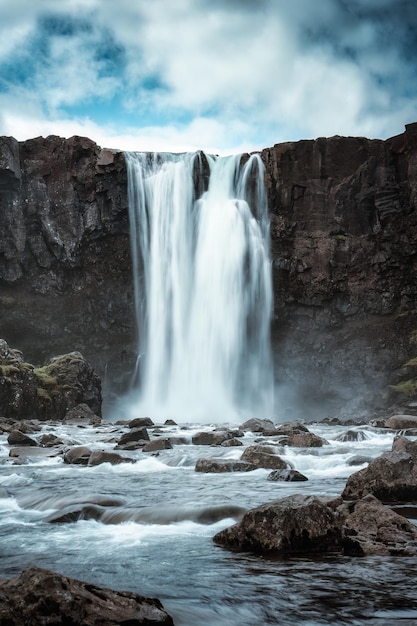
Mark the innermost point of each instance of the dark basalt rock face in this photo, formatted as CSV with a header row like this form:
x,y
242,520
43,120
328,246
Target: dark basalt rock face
x,y
39,597
343,241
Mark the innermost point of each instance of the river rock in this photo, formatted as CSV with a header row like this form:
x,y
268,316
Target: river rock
x,y
49,441
217,466
82,414
287,475
292,428
38,597
256,425
263,456
352,435
371,528
401,422
211,438
297,524
79,455
157,444
134,435
391,477
17,438
140,422
229,443
304,440
97,457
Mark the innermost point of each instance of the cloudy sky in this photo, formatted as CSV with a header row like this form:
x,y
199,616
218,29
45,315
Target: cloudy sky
x,y
221,75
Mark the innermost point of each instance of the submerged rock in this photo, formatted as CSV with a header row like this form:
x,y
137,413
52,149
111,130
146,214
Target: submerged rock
x,y
287,475
39,597
217,466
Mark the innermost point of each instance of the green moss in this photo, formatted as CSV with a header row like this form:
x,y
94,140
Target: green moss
x,y
43,394
44,377
413,338
406,388
411,363
8,370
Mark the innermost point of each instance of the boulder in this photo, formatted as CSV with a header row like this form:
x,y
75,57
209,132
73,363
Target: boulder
x,y
229,443
47,392
218,466
134,435
401,422
263,456
304,440
79,455
297,524
39,597
352,435
287,475
17,438
211,438
391,477
256,425
304,525
140,422
370,529
97,457
157,444
49,441
82,414
292,428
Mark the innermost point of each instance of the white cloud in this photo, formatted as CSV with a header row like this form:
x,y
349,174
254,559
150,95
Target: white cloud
x,y
207,74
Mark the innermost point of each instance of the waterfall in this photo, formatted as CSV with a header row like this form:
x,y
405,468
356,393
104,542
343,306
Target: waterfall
x,y
202,285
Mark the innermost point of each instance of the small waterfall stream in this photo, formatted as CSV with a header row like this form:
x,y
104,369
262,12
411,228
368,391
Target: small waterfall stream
x,y
202,279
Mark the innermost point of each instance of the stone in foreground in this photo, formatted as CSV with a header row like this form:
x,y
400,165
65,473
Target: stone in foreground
x,y
38,597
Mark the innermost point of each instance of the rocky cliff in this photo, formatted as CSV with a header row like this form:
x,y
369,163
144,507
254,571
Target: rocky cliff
x,y
343,234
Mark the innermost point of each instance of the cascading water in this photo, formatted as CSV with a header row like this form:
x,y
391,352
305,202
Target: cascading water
x,y
202,280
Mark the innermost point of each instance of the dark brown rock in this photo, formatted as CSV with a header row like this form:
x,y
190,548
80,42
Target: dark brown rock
x,y
287,475
17,438
97,457
49,441
257,425
229,443
401,422
304,440
371,528
133,436
263,456
391,477
352,435
210,438
82,414
294,525
220,466
38,597
79,455
157,444
140,422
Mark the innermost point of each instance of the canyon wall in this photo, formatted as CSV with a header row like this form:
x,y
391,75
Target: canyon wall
x,y
343,240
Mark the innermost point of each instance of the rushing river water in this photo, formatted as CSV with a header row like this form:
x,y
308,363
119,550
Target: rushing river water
x,y
159,547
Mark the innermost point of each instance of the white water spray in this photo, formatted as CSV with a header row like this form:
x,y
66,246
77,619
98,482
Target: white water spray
x,y
202,281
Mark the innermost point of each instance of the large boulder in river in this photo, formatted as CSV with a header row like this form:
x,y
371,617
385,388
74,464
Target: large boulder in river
x,y
39,597
300,524
391,477
47,392
297,524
